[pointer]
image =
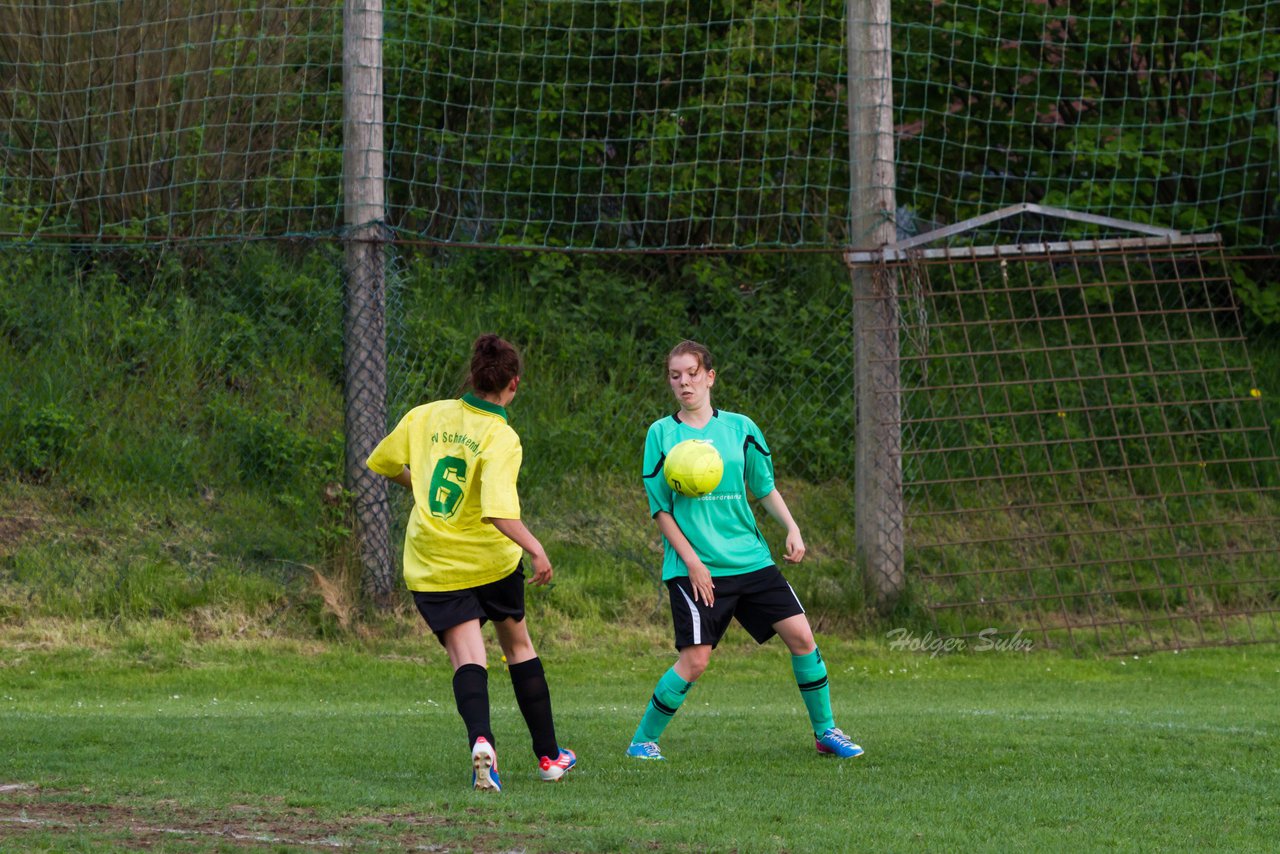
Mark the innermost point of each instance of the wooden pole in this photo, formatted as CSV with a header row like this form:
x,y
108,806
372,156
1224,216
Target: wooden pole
x,y
878,514
364,317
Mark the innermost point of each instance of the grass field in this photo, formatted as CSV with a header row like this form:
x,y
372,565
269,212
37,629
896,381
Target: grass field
x,y
138,737
184,665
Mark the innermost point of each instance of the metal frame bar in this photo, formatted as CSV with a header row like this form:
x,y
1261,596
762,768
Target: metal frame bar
x,y
1158,237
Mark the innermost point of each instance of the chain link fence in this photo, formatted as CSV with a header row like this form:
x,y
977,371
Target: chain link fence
x,y
194,299
1085,453
595,332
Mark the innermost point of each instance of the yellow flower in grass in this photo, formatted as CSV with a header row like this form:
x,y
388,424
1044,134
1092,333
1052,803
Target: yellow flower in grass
x,y
1254,392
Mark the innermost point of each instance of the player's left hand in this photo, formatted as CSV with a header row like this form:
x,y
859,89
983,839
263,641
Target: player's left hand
x,y
795,547
542,570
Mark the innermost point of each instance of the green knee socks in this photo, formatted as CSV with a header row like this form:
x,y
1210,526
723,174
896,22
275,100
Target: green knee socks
x,y
811,676
667,697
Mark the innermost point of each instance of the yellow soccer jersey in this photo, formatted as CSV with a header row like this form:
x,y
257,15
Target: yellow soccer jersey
x,y
464,460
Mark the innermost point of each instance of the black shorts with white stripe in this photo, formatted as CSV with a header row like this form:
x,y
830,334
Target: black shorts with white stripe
x,y
758,600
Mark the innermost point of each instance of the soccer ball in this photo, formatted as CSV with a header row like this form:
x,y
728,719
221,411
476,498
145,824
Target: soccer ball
x,y
693,467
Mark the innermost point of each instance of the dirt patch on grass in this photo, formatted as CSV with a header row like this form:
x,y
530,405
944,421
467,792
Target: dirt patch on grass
x,y
26,812
15,526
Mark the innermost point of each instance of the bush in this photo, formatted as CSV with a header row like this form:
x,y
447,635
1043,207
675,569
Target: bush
x,y
47,437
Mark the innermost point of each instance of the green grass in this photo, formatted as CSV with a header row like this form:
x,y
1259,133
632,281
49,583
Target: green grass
x,y
140,737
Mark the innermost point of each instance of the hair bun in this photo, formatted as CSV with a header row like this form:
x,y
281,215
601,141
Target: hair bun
x,y
488,343
494,363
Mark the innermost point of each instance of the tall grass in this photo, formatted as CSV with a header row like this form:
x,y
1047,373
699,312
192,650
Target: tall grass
x,y
170,443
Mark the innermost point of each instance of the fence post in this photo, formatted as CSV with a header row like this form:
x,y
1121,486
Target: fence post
x,y
878,476
364,316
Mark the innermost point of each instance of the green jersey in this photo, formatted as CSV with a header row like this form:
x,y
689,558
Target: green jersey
x,y
720,525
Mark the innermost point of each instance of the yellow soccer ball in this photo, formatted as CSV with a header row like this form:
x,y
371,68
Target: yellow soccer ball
x,y
693,468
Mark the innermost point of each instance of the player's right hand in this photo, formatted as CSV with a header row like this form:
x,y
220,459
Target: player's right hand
x,y
700,580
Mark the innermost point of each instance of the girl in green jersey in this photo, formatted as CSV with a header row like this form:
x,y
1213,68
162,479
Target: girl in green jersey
x,y
716,564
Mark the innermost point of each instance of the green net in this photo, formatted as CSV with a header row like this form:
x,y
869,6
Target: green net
x,y
172,209
207,118
619,125
633,125
1148,110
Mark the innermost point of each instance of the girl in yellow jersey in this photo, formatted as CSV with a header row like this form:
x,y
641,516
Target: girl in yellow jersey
x,y
463,548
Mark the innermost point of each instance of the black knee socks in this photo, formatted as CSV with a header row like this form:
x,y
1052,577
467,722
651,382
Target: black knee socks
x,y
471,692
529,681
534,698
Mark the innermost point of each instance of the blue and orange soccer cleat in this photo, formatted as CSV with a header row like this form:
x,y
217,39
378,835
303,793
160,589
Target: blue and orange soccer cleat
x,y
484,761
834,742
554,769
645,750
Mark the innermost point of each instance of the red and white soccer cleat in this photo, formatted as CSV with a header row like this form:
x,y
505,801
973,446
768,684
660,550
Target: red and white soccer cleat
x,y
484,762
551,770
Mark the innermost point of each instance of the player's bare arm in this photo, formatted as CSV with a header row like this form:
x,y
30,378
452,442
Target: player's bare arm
x,y
699,575
516,531
776,507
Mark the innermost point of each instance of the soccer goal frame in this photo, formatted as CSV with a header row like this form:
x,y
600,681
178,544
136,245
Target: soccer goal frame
x,y
1077,433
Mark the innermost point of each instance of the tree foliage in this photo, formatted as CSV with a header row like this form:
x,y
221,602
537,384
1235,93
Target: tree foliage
x,y
169,119
1157,111
614,124
603,125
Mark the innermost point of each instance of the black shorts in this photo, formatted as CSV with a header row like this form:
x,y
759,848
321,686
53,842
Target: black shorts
x,y
498,600
757,599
